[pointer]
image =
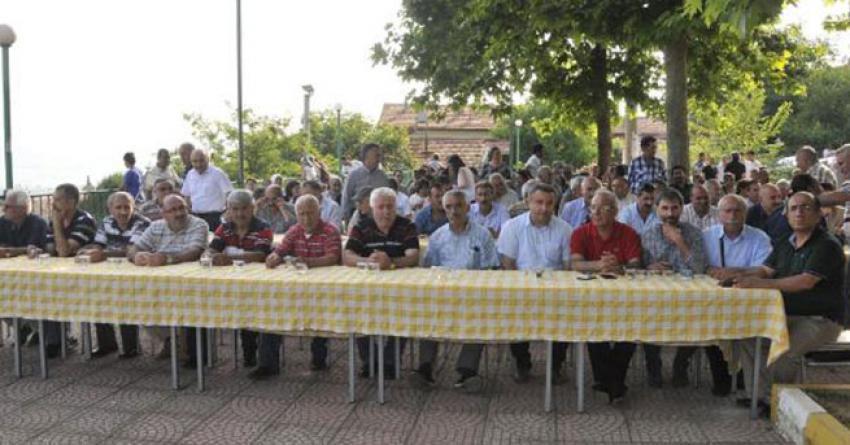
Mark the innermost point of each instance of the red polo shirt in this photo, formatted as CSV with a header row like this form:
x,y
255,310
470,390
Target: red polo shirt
x,y
624,242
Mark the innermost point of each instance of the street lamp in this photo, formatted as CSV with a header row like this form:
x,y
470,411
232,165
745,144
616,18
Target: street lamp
x,y
517,130
239,129
308,91
338,108
7,38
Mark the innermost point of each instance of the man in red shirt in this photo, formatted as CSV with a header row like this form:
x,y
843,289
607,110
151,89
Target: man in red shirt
x,y
605,245
316,243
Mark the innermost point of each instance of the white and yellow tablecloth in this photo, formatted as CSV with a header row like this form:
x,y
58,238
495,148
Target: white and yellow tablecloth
x,y
461,305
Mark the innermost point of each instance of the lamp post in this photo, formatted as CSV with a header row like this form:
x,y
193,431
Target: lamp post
x,y
517,130
338,108
7,38
308,91
239,129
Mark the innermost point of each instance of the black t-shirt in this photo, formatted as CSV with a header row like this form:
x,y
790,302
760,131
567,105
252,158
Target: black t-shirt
x,y
365,238
822,256
31,232
82,229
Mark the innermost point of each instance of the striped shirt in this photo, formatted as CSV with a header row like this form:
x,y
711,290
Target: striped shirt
x,y
324,241
112,237
81,230
258,238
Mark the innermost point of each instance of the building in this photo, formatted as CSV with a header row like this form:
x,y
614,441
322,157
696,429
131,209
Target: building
x,y
644,126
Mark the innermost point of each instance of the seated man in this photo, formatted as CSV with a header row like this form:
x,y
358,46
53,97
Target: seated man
x,y
460,244
273,209
675,245
577,211
117,232
317,243
388,240
432,216
19,227
808,268
640,215
330,210
536,240
485,212
177,238
605,245
243,237
362,210
152,208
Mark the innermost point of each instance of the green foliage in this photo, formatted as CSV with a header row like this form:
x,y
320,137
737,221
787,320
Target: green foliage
x,y
822,116
111,182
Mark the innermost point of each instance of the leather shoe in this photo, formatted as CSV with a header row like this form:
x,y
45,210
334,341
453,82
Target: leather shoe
x,y
129,354
102,352
262,373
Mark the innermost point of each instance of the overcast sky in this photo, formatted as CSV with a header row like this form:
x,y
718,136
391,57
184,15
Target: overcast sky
x,y
92,79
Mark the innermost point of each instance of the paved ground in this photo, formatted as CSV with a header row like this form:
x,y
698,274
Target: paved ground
x,y
116,401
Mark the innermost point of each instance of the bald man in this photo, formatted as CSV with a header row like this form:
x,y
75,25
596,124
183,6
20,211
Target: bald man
x,y
206,188
577,211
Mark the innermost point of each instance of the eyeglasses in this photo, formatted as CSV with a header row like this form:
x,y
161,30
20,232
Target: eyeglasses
x,y
601,209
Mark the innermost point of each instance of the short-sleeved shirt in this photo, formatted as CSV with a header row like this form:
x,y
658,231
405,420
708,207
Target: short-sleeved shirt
x,y
576,212
360,178
749,249
624,243
631,217
821,256
494,220
535,247
133,182
324,241
279,222
207,191
81,230
150,209
473,248
366,238
642,171
331,212
656,248
31,232
258,239
690,216
160,238
425,223
112,237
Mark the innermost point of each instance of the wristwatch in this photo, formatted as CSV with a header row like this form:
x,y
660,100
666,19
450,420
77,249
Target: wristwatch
x,y
169,259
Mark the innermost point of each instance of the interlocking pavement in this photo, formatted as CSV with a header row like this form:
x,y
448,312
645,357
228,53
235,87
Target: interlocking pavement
x,y
112,401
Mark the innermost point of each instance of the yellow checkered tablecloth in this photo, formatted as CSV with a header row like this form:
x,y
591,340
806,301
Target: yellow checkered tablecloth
x,y
462,305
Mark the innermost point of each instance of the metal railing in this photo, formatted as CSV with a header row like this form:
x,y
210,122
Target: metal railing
x,y
93,202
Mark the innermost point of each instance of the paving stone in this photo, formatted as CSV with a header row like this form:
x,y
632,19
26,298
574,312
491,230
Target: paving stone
x,y
36,417
55,438
665,431
193,404
217,431
354,436
78,395
596,427
133,399
29,388
11,436
251,409
112,377
95,421
296,434
159,427
531,426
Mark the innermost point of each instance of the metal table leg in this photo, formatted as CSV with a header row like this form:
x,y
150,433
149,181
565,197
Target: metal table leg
x,y
42,349
63,351
211,350
754,397
236,349
175,371
397,358
580,376
547,398
351,345
87,341
199,357
371,356
380,346
18,360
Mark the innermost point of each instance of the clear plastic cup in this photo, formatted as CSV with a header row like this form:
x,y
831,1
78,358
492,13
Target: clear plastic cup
x,y
82,259
115,261
301,267
239,264
206,260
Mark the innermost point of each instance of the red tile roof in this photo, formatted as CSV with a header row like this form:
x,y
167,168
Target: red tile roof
x,y
467,118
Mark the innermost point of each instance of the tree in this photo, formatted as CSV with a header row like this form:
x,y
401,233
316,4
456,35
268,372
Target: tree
x,y
111,182
821,117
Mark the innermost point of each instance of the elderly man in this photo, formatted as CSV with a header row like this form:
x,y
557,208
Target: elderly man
x,y
768,212
620,187
162,170
807,162
152,208
432,216
671,245
367,175
177,238
185,151
391,242
485,212
317,243
808,268
243,237
116,233
646,168
699,213
640,215
329,208
460,244
605,245
577,211
715,191
531,241
503,194
273,209
19,227
206,188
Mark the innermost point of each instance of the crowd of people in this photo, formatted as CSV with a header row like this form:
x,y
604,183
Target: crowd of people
x,y
728,221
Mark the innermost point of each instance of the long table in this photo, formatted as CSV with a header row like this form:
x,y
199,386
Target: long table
x,y
492,306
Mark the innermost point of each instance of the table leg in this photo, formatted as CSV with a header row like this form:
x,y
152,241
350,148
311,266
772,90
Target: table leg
x,y
175,369
371,339
199,357
18,360
397,358
754,397
547,398
211,350
351,345
580,376
236,349
380,347
87,340
42,351
62,340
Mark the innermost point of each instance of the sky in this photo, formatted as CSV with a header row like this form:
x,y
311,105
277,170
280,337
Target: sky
x,y
93,79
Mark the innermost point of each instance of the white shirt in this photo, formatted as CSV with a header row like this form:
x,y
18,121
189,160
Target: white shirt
x,y
629,199
532,164
535,247
631,217
402,205
689,215
331,212
494,220
751,166
508,199
207,191
415,202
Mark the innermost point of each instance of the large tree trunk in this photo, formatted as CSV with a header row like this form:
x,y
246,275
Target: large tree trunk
x,y
629,124
676,102
601,106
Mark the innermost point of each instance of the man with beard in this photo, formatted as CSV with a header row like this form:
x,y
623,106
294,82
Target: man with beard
x,y
640,215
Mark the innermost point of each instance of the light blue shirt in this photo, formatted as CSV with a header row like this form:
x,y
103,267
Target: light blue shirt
x,y
576,212
631,217
535,247
494,220
473,248
749,249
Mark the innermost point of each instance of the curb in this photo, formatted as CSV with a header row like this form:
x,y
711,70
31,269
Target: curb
x,y
801,420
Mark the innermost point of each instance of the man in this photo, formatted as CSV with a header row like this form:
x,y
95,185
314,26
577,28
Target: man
x,y
162,170
749,190
646,168
152,208
316,243
535,160
808,268
715,191
185,151
132,181
460,244
700,163
769,209
334,190
243,237
620,187
434,163
535,240
367,175
177,238
273,209
807,162
116,233
735,167
392,243
679,181
606,246
206,188
503,194
402,200
330,210
670,245
19,227
432,216
640,215
577,211
699,213
491,215
752,165
731,247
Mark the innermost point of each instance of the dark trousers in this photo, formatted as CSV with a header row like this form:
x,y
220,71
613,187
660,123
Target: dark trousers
x,y
520,352
213,219
610,362
652,353
191,347
249,342
389,351
52,333
105,335
716,362
270,350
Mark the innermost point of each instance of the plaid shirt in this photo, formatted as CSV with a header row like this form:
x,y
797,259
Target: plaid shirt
x,y
258,238
324,241
642,171
159,238
656,248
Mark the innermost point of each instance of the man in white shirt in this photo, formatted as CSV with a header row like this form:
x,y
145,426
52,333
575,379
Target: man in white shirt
x,y
206,188
751,164
535,160
485,212
328,208
620,187
402,201
577,211
699,212
640,215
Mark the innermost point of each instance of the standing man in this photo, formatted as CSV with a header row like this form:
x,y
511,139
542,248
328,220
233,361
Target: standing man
x,y
484,212
735,167
367,175
162,170
679,181
185,151
577,211
752,165
807,162
206,188
640,215
535,160
699,213
132,182
536,239
646,168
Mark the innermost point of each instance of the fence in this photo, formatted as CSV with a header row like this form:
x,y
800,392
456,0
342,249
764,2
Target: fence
x,y
93,202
